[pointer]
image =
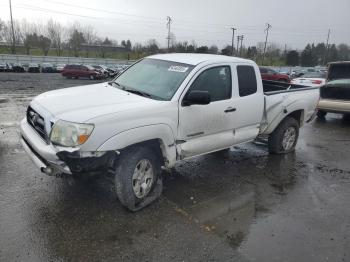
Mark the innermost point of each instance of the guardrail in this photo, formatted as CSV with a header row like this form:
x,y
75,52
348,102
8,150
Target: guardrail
x,y
25,59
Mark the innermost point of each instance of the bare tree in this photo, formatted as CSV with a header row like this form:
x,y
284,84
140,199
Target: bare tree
x,y
29,33
7,33
75,38
55,32
89,36
2,25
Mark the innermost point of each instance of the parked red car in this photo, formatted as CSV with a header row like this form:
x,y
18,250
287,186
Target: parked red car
x,y
77,71
270,74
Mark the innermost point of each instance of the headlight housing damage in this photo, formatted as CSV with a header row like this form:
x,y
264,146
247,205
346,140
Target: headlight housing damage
x,y
70,134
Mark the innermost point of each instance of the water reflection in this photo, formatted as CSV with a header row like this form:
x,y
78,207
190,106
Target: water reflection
x,y
245,187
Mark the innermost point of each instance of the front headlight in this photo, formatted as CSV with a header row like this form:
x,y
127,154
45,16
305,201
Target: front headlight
x,y
70,134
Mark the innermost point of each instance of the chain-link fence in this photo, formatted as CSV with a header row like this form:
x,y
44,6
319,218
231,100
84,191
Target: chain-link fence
x,y
25,59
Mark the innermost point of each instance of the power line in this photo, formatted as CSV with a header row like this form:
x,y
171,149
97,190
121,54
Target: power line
x,y
169,20
240,51
327,46
268,27
13,49
233,37
238,39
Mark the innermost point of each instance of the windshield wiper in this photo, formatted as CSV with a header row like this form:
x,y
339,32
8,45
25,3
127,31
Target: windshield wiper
x,y
137,92
134,91
112,82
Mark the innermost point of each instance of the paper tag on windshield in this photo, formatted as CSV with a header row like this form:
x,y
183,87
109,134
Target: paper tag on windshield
x,y
180,69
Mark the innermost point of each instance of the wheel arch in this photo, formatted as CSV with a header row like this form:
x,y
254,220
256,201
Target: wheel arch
x,y
159,137
298,115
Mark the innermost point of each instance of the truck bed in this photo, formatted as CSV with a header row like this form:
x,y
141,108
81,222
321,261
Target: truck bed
x,y
273,87
283,98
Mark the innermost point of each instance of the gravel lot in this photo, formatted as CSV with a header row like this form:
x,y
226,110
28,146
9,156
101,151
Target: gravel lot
x,y
245,205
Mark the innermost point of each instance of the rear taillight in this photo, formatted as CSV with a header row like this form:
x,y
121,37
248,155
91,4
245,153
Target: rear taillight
x,y
316,82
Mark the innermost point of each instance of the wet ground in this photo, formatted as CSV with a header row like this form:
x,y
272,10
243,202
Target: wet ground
x,y
242,205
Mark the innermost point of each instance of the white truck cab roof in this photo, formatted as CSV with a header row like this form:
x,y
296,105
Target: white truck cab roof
x,y
195,59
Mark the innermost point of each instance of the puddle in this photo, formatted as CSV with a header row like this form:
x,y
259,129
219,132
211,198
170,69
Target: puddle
x,y
8,124
3,100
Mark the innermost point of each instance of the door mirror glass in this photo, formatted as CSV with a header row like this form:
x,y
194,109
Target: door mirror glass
x,y
196,97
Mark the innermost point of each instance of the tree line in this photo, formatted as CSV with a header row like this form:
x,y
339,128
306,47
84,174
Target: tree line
x,y
82,40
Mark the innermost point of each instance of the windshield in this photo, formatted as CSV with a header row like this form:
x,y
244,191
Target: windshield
x,y
155,77
339,71
90,67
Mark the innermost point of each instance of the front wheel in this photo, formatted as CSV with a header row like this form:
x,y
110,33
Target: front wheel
x,y
285,137
138,177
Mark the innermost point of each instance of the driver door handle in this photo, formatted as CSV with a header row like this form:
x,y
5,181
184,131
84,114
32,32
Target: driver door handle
x,y
230,109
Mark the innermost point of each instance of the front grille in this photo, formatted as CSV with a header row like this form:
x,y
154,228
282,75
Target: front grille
x,y
37,122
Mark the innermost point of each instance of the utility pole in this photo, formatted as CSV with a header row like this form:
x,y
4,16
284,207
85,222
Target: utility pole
x,y
326,51
233,37
240,51
268,27
13,48
169,20
238,39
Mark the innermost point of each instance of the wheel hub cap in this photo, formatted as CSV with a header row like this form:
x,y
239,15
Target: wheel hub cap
x,y
142,179
289,138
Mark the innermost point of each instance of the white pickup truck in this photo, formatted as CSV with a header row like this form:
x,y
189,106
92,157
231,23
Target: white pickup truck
x,y
162,109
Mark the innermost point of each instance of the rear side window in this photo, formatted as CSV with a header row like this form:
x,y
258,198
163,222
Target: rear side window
x,y
217,81
246,80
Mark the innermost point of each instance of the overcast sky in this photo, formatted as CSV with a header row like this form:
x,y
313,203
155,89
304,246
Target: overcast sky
x,y
207,22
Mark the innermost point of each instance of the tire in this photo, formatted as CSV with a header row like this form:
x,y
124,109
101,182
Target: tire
x,y
321,114
92,77
289,127
131,194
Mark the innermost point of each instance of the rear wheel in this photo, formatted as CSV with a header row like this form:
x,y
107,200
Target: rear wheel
x,y
138,177
285,137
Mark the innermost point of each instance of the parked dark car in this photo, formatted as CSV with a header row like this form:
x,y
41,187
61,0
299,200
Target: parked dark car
x,y
3,67
335,94
48,68
102,69
33,68
77,71
270,74
18,68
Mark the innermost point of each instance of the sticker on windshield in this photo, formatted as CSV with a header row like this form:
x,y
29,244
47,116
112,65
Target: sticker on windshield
x,y
180,69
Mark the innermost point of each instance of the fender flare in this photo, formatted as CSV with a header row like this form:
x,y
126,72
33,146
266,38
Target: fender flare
x,y
161,132
288,110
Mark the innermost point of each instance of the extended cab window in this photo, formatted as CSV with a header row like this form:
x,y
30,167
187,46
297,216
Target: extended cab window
x,y
217,81
246,80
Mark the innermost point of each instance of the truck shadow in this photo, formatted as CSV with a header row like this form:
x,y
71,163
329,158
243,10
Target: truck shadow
x,y
212,193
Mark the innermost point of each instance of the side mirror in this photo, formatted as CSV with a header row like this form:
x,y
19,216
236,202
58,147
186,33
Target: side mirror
x,y
196,98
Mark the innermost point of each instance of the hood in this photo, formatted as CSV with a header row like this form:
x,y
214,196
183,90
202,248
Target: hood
x,y
79,104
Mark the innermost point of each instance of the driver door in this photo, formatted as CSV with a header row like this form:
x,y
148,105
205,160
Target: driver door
x,y
206,128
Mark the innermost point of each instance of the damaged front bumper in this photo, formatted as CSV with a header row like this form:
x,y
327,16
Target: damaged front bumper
x,y
53,162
